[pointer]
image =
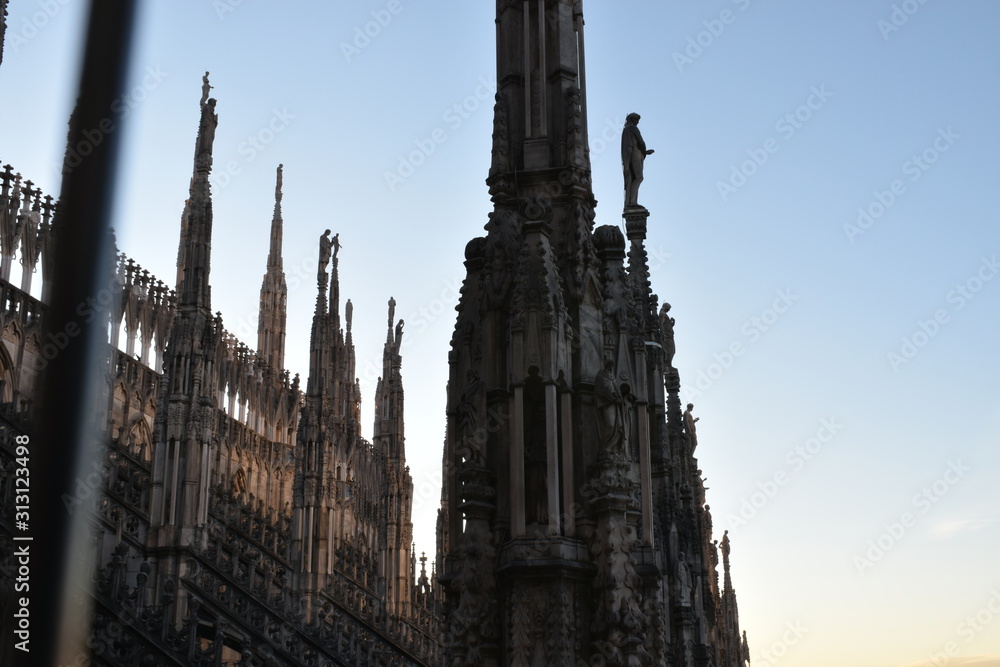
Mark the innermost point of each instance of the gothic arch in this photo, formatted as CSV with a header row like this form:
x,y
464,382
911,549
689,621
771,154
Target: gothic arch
x,y
140,439
239,482
8,380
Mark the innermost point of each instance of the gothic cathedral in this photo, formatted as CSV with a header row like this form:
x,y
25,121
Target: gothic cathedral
x,y
240,518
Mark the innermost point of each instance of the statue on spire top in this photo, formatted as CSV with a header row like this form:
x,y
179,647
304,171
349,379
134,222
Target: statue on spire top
x,y
633,156
205,87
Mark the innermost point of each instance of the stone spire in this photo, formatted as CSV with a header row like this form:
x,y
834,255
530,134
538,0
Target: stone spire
x,y
3,26
727,582
388,442
332,361
540,120
195,248
388,432
271,322
274,253
188,394
734,650
328,441
563,481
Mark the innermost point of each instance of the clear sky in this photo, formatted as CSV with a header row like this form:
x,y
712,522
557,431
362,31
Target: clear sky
x,y
824,222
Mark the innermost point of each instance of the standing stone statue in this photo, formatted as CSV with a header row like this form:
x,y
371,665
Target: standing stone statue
x,y
325,246
205,87
667,329
336,244
206,133
684,580
468,419
633,155
610,409
689,421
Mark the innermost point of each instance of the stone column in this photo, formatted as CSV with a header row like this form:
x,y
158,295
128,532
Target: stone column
x,y
619,621
472,625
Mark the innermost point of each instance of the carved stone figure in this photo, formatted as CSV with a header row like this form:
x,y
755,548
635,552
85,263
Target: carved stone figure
x,y
468,419
610,409
325,246
689,421
206,134
667,328
205,87
634,154
684,580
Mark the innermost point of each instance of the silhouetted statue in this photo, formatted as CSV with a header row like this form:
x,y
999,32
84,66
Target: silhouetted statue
x,y
689,421
633,155
667,328
205,87
325,245
206,133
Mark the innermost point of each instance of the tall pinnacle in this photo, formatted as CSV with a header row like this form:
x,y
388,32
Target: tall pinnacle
x,y
389,392
194,255
273,294
274,255
540,119
727,580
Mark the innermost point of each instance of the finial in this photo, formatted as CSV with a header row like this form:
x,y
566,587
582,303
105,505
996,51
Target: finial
x,y
392,310
277,187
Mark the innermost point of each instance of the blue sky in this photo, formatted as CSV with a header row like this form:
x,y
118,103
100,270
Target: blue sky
x,y
850,443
